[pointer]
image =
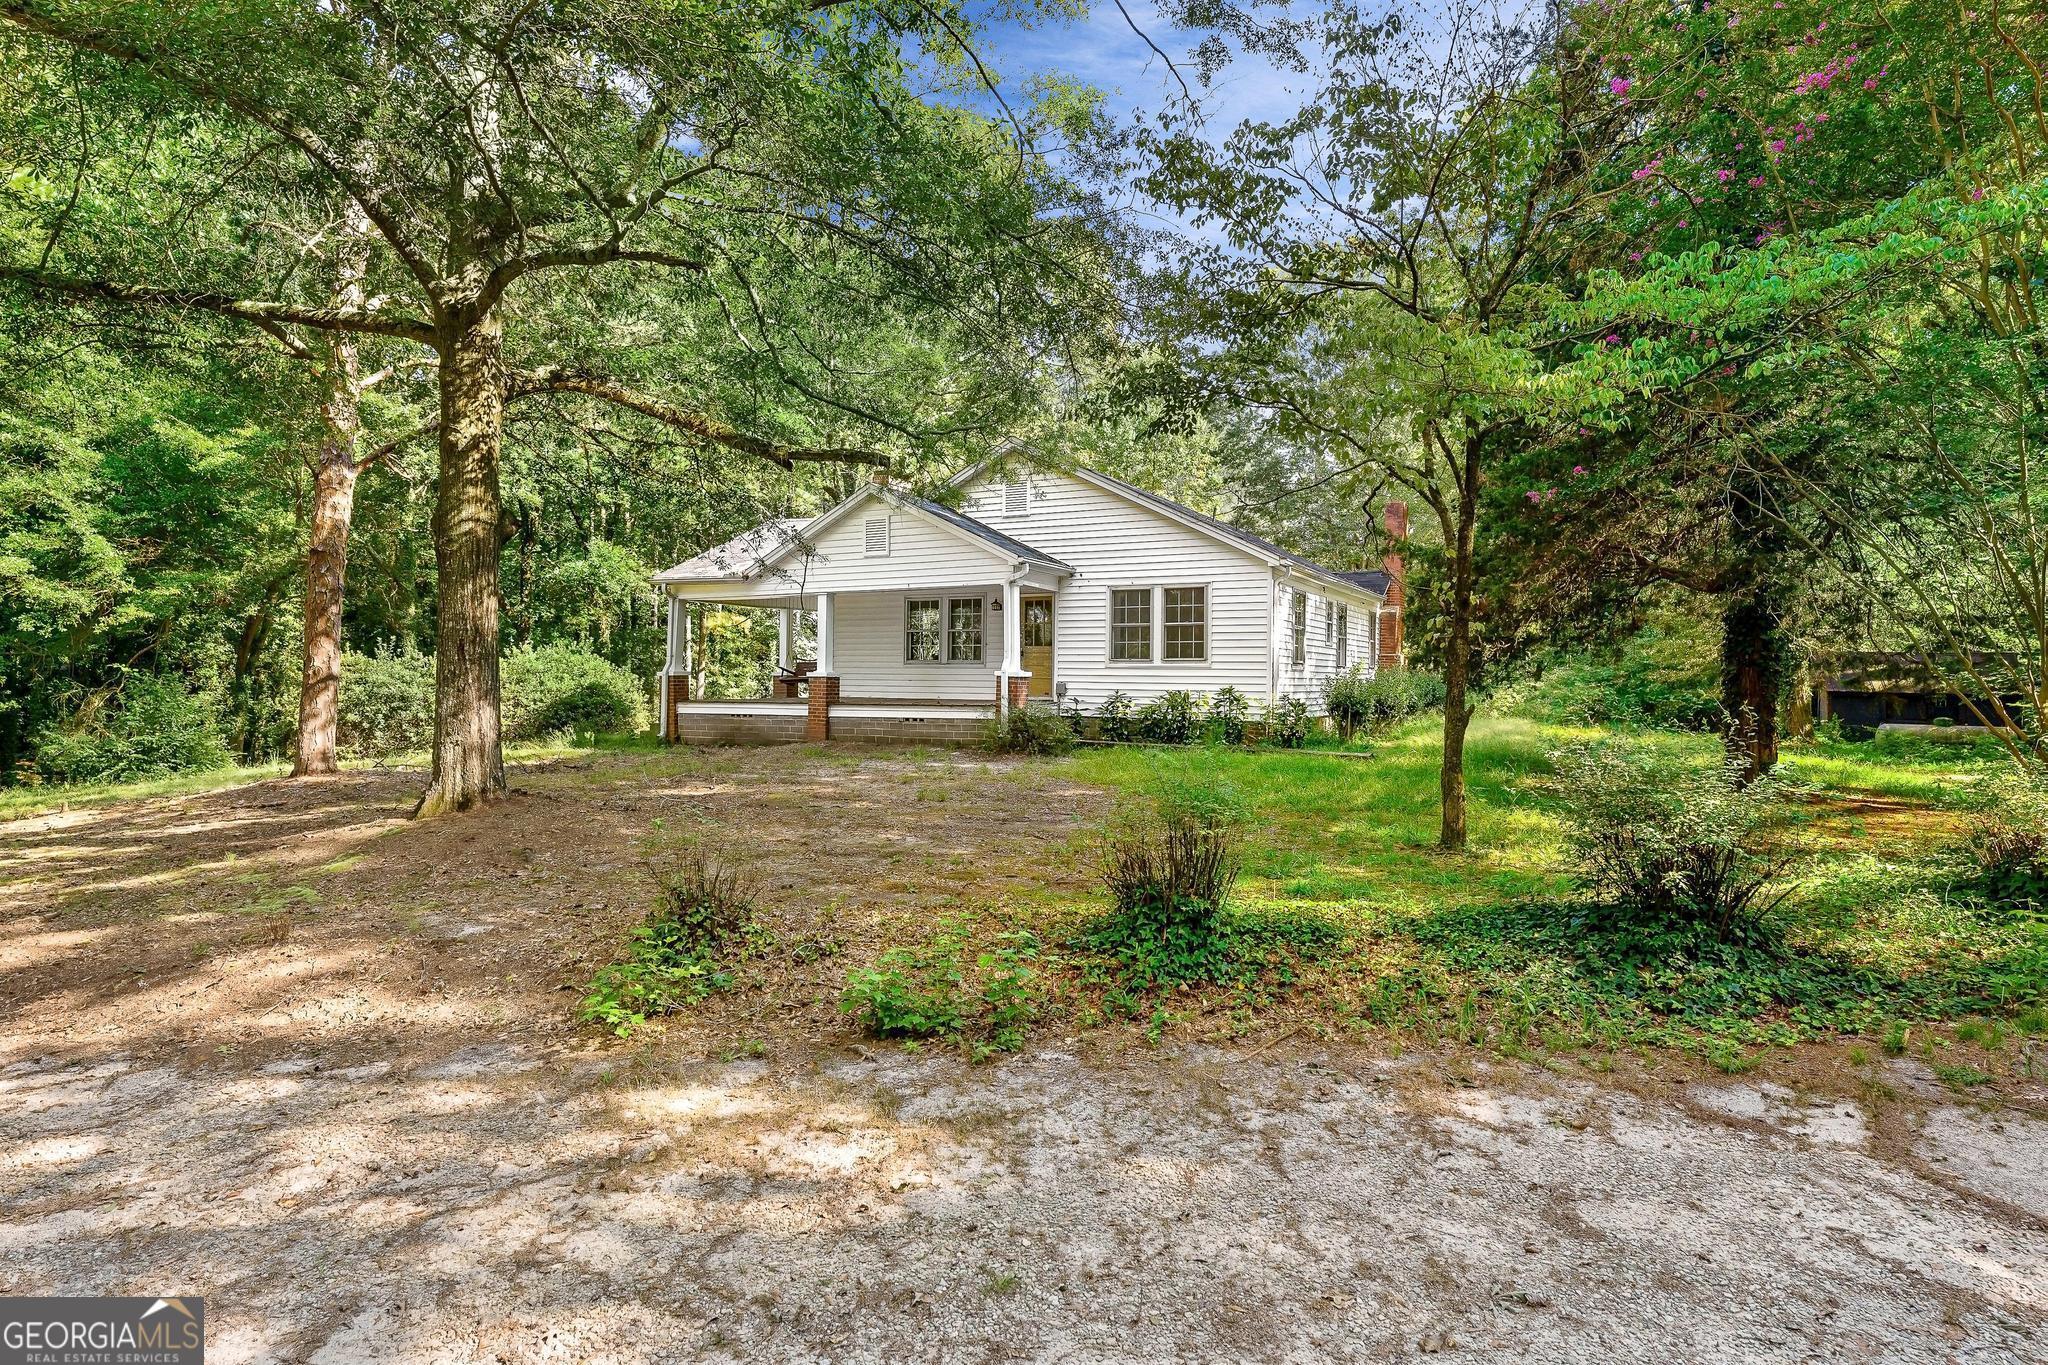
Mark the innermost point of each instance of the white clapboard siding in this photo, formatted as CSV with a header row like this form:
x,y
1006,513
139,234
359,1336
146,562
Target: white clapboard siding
x,y
868,648
920,554
1114,542
1320,657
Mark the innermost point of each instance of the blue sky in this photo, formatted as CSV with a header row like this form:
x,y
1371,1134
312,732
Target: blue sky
x,y
1101,50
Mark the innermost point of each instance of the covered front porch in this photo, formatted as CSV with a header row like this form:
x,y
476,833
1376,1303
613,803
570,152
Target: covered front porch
x,y
925,623
906,663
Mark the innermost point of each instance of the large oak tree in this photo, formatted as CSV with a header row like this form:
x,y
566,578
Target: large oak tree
x,y
511,160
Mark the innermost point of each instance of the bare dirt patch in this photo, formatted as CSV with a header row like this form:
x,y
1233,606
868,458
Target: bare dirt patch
x,y
278,1046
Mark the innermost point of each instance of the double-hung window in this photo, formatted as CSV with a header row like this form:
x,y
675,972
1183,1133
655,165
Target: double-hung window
x,y
1343,636
1300,628
1185,613
1130,625
963,630
921,630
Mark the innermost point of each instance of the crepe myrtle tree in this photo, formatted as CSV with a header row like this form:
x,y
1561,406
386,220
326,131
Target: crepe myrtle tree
x,y
499,157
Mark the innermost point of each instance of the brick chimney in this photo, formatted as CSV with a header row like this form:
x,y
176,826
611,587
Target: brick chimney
x,y
1393,634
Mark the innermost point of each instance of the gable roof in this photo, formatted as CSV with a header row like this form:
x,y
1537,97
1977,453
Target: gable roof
x,y
751,552
742,556
1201,521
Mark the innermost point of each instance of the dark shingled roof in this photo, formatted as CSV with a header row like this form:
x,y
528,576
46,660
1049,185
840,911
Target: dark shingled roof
x,y
1372,580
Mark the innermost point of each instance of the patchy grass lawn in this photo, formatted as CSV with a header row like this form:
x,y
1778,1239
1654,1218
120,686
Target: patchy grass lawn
x,y
319,905
1495,948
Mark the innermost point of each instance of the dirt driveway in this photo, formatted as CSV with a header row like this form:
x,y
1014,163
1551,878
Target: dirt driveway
x,y
278,1047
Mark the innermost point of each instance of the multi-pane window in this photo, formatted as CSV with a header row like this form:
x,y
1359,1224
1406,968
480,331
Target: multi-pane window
x,y
1185,615
1343,636
921,630
1300,629
963,630
1130,624
1329,621
1035,632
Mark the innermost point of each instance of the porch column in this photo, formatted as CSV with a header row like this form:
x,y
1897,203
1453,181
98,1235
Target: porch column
x,y
824,685
785,638
675,671
1013,651
826,664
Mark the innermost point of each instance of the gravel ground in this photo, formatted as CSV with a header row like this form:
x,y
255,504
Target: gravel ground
x,y
277,1046
501,1204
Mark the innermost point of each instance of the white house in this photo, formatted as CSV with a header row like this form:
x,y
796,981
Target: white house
x,y
1040,587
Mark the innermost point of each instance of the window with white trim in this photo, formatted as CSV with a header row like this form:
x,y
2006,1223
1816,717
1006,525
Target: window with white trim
x,y
921,630
876,544
1300,628
1184,613
1343,636
963,630
1130,625
1329,620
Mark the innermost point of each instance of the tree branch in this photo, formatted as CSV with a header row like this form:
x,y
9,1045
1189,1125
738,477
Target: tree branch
x,y
265,313
556,379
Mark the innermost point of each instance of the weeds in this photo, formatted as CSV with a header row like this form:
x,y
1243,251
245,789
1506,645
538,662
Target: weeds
x,y
704,914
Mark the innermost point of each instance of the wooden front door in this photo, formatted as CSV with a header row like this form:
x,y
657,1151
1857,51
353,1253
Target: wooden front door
x,y
1035,645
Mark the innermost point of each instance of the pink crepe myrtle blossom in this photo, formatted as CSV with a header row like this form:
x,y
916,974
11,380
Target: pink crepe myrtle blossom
x,y
1724,175
1756,182
1620,85
1579,470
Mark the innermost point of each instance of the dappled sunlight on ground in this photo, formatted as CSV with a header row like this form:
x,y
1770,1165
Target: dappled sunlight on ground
x,y
280,1046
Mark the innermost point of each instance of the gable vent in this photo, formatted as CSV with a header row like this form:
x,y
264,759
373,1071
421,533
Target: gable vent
x,y
877,536
1016,498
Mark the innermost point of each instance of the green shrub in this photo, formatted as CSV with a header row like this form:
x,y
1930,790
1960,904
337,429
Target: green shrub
x,y
1356,700
2008,841
1171,718
922,992
387,700
386,704
153,727
556,688
1229,715
1168,878
1668,840
1288,722
1030,730
703,915
911,992
1667,674
1117,717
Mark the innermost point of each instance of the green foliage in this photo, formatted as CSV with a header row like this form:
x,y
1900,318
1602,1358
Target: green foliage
x,y
153,727
2008,842
703,915
1174,717
557,688
1169,875
387,699
923,991
386,704
1229,715
1030,730
1357,701
1682,845
1117,718
1666,675
1288,723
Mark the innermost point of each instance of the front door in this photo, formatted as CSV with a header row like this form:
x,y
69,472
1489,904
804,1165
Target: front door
x,y
1035,645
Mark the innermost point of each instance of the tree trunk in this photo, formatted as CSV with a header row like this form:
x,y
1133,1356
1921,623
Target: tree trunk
x,y
334,506
334,509
469,766
1458,679
1752,676
1754,650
